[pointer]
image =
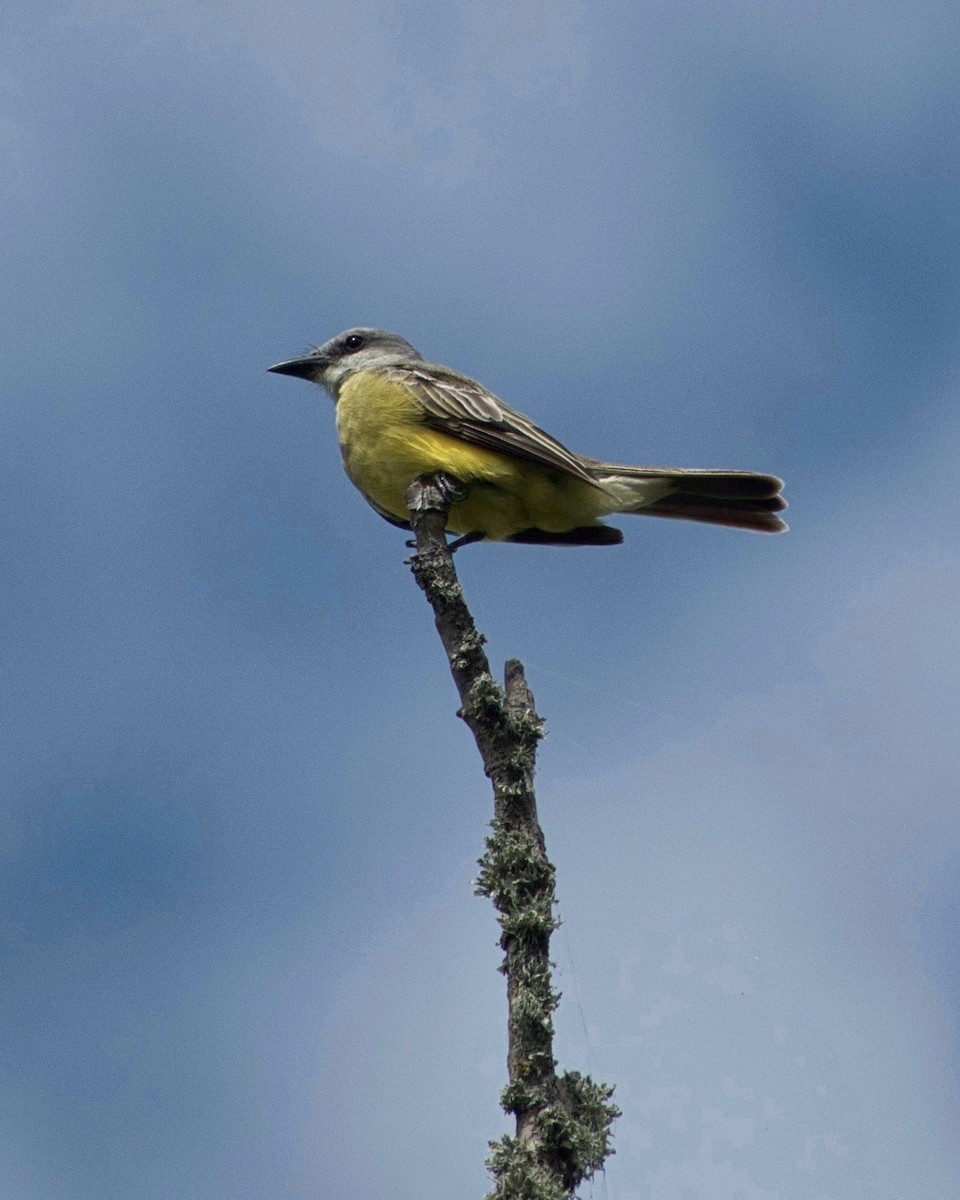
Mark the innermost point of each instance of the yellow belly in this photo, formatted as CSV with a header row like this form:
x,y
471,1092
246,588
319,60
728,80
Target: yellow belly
x,y
385,446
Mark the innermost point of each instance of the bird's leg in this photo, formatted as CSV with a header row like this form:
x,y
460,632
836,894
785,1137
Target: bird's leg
x,y
464,540
476,536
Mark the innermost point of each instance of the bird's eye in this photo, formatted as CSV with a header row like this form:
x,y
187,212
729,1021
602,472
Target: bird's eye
x,y
353,342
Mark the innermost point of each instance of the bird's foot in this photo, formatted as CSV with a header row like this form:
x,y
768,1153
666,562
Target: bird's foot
x,y
435,494
476,536
464,540
449,487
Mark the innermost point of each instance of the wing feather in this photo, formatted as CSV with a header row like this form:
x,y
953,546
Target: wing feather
x,y
460,406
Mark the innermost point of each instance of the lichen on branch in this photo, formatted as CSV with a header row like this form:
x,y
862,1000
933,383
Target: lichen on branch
x,y
563,1121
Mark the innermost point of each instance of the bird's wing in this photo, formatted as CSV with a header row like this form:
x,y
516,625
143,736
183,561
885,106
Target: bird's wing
x,y
459,406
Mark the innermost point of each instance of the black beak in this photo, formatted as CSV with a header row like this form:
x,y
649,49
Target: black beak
x,y
302,368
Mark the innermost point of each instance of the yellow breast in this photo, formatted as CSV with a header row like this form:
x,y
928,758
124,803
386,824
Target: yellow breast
x,y
386,444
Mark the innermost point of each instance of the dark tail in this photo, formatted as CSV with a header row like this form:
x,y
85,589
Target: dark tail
x,y
741,499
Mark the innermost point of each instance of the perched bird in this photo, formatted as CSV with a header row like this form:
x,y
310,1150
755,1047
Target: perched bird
x,y
399,417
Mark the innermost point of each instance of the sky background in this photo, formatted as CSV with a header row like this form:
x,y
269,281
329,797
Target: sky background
x,y
239,824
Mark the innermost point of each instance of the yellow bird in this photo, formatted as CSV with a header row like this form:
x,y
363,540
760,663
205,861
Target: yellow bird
x,y
399,417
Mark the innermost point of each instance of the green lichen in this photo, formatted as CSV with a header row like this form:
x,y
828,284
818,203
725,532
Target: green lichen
x,y
572,1124
576,1129
468,646
513,866
528,729
485,700
518,1176
570,1116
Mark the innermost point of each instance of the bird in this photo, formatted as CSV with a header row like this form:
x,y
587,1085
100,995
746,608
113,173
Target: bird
x,y
400,418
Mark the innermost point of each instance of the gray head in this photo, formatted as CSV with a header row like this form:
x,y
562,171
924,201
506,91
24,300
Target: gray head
x,y
353,350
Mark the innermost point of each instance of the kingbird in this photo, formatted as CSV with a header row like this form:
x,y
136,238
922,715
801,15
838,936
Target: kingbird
x,y
400,417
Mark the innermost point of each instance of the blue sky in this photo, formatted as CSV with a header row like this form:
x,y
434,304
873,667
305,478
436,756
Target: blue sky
x,y
240,820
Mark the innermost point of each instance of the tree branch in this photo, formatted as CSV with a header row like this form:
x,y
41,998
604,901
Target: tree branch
x,y
563,1122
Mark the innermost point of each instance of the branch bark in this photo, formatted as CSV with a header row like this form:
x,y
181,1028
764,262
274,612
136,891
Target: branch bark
x,y
563,1121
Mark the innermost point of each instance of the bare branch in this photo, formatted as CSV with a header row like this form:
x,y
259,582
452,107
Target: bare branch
x,y
563,1122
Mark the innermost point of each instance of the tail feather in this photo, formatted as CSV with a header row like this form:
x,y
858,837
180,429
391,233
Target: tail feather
x,y
742,499
748,485
758,515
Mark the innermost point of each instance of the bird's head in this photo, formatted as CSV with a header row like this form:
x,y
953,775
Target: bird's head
x,y
344,355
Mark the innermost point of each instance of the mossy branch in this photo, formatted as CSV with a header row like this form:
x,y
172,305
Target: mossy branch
x,y
563,1122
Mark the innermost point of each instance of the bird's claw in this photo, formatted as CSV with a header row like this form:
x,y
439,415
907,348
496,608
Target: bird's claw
x,y
449,487
476,535
464,540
